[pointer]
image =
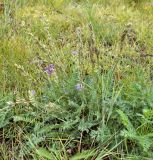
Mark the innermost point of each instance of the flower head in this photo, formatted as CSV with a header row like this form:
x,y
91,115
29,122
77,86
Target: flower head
x,y
74,53
79,87
49,69
32,92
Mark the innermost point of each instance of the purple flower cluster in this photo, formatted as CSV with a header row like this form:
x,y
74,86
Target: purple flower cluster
x,y
79,87
50,69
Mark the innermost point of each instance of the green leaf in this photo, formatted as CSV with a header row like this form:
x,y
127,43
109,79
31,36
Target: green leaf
x,y
42,152
83,155
126,122
148,113
4,117
85,126
22,118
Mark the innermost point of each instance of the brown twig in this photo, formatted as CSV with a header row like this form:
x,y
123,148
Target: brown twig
x,y
146,55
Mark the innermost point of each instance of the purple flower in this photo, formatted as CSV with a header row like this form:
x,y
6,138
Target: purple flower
x,y
49,69
74,53
79,87
33,92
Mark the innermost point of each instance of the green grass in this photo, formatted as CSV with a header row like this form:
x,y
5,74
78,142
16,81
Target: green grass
x,y
98,101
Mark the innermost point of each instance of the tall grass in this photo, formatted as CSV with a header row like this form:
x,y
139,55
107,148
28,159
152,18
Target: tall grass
x,y
76,80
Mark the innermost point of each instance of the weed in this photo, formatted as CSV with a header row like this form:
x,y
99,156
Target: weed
x,y
76,80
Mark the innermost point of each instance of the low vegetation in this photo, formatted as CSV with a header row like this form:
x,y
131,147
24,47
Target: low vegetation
x,y
76,80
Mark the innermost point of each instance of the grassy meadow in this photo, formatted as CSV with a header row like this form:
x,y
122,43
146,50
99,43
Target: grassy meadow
x,y
76,80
